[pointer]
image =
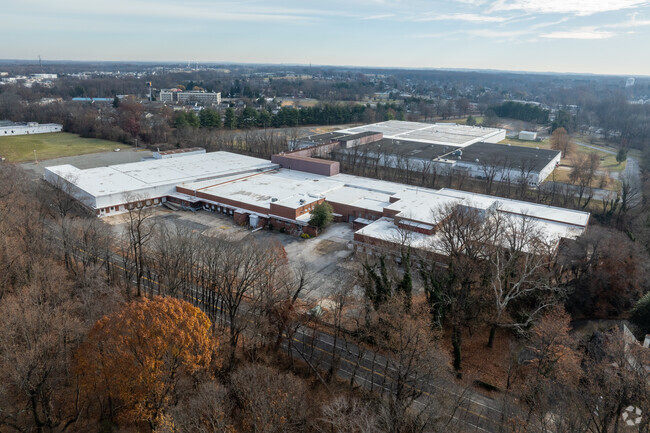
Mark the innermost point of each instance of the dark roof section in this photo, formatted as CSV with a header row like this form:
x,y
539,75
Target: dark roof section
x,y
501,155
359,135
322,138
412,149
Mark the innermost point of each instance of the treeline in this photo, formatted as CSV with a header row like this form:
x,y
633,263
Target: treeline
x,y
91,324
104,334
326,114
525,112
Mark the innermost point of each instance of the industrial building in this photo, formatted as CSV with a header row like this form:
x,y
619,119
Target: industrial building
x,y
446,148
13,128
172,96
260,193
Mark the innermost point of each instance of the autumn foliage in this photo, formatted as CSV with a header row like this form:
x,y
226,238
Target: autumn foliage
x,y
133,360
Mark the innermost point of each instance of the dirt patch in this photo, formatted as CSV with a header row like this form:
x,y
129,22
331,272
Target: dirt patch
x,y
326,246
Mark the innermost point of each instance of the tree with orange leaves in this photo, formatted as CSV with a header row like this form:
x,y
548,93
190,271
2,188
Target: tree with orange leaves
x,y
134,359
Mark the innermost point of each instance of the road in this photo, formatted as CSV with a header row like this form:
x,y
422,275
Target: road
x,y
471,411
632,173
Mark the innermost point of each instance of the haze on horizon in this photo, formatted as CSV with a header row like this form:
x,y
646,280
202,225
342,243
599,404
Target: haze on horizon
x,y
580,36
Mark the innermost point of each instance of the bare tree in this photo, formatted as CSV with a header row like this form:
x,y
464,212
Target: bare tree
x,y
583,174
519,265
463,239
139,232
347,415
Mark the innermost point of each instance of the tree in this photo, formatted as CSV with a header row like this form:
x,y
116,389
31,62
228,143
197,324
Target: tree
x,y
230,119
554,364
209,118
560,141
583,173
415,359
344,415
563,119
139,232
236,273
641,314
519,261
204,411
186,119
621,155
322,215
464,238
39,328
606,272
134,360
490,118
271,401
116,102
471,120
248,118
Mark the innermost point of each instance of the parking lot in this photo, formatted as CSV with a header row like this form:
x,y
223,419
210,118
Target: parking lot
x,y
328,258
91,160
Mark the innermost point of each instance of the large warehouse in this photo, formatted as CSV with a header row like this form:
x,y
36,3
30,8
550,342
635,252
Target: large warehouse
x,y
259,193
447,148
107,190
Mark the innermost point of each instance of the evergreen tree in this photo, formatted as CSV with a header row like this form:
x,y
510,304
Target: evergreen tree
x,y
230,119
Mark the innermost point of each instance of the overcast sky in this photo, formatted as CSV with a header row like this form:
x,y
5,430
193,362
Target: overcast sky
x,y
596,36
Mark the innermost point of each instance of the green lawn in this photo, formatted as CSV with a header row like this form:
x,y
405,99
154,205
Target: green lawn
x,y
20,148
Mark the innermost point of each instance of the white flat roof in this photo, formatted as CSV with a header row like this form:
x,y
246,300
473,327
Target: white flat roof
x,y
258,182
138,176
438,133
422,205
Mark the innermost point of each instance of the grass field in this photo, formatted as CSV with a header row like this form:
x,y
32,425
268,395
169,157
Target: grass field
x,y
607,160
20,148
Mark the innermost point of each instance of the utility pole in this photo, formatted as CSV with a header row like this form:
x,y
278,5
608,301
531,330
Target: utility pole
x,y
35,160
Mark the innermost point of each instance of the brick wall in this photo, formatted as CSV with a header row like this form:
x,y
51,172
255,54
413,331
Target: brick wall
x,y
307,164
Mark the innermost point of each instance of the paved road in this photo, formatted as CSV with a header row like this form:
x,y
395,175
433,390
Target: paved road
x,y
589,146
598,194
373,371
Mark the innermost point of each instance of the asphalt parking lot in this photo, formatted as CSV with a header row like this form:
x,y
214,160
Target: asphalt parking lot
x,y
328,258
92,160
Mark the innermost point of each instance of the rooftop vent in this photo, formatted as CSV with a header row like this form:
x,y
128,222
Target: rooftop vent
x,y
302,201
273,200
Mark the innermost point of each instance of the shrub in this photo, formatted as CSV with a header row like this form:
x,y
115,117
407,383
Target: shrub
x,y
305,236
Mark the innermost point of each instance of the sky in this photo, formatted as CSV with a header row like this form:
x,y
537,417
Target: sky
x,y
581,36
